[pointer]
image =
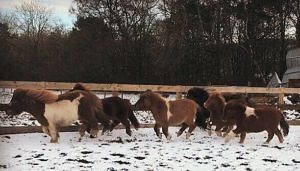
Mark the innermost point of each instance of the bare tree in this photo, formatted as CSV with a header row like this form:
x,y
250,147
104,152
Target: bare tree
x,y
33,20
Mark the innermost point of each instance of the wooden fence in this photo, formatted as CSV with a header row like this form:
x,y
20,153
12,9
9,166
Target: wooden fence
x,y
178,89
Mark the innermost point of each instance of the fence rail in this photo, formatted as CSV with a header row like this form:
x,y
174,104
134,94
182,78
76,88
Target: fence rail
x,y
178,89
139,88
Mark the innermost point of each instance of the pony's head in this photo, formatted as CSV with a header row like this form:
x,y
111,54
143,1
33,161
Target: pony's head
x,y
144,101
215,101
233,111
199,95
26,98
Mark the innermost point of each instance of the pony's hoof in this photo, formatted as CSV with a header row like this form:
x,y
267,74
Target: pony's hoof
x,y
227,139
160,136
93,133
81,134
129,133
219,133
179,133
169,137
188,134
209,132
53,141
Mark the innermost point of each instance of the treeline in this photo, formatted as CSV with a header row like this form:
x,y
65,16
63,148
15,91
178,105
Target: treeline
x,y
188,42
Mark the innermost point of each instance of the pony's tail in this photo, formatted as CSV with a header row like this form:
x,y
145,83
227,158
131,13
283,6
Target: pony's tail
x,y
133,119
201,116
284,126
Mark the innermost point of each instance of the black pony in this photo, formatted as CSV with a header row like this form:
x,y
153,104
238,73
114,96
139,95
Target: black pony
x,y
199,95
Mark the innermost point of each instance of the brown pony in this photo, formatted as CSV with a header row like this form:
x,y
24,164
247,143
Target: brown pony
x,y
116,109
169,113
249,119
216,104
53,111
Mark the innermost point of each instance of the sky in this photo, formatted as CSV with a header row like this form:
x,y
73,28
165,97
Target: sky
x,y
60,9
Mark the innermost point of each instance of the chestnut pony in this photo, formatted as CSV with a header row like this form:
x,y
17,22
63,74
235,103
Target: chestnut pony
x,y
53,111
249,119
216,104
116,109
169,113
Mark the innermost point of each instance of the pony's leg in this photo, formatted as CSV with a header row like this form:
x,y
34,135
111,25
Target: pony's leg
x,y
166,132
270,136
192,126
209,132
183,127
229,128
94,129
232,134
242,138
157,130
279,135
82,128
53,133
126,123
105,126
218,130
114,124
46,130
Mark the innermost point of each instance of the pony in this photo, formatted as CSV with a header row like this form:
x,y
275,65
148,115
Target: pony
x,y
249,119
119,110
216,104
53,111
169,113
116,110
199,95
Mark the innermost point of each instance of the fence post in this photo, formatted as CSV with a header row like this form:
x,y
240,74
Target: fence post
x,y
280,100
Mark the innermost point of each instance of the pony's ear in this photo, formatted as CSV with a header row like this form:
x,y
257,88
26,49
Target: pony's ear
x,y
147,92
79,86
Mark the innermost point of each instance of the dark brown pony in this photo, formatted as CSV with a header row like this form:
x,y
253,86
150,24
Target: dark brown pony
x,y
116,109
255,120
216,104
53,111
169,113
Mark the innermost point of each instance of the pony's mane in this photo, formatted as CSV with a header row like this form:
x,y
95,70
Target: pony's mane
x,y
156,95
43,96
79,86
218,95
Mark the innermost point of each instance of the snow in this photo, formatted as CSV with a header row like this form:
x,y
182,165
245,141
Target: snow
x,y
145,151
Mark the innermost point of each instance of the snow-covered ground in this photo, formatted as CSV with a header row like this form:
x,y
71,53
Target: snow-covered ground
x,y
144,151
